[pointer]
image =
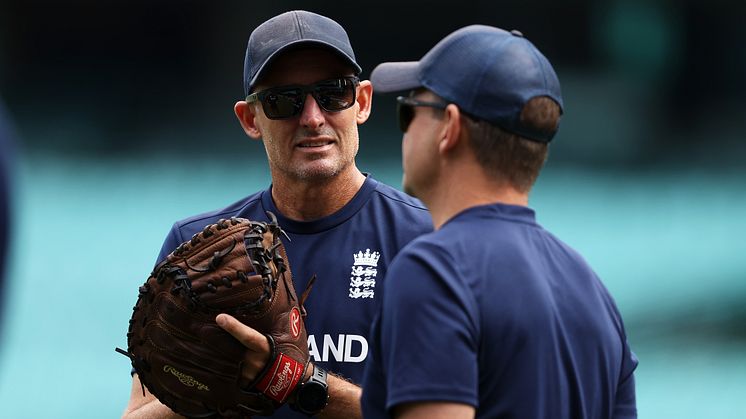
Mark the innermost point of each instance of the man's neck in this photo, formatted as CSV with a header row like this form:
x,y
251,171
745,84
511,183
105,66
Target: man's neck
x,y
470,188
305,200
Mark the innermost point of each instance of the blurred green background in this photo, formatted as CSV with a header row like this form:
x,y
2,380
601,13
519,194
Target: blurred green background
x,y
124,117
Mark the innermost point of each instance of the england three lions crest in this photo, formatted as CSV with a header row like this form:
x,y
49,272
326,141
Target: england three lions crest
x,y
363,275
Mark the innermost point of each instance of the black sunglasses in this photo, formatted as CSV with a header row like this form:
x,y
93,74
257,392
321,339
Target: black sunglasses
x,y
284,102
405,110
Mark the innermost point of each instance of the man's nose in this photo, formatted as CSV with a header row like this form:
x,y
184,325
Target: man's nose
x,y
312,115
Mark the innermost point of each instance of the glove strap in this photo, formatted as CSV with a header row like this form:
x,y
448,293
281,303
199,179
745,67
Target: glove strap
x,y
281,378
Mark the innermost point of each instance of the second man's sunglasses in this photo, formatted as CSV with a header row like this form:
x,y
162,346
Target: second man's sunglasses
x,y
405,110
284,102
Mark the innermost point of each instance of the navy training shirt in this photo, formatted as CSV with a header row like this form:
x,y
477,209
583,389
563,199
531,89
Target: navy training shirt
x,y
349,252
495,312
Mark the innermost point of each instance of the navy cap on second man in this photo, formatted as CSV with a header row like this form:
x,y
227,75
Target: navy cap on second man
x,y
488,72
290,29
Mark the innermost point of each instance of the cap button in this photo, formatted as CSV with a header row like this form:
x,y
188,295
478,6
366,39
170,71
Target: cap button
x,y
516,33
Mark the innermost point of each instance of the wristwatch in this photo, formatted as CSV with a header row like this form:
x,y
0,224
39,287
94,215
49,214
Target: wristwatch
x,y
312,396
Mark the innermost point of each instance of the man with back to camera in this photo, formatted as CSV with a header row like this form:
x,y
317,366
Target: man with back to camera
x,y
305,101
490,316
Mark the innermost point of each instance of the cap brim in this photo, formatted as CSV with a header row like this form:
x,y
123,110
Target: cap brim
x,y
394,77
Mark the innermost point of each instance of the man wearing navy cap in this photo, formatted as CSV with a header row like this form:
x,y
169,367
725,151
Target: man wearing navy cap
x,y
490,316
304,100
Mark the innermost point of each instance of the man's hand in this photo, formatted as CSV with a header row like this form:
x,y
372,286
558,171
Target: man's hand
x,y
344,396
146,406
257,344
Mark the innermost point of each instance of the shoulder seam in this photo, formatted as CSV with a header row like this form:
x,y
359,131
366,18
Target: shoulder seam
x,y
207,215
397,199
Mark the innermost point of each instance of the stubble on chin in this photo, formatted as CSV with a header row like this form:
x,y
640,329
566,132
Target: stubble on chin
x,y
316,171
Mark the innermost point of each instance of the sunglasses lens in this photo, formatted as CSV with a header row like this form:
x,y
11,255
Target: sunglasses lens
x,y
286,102
278,104
405,114
335,95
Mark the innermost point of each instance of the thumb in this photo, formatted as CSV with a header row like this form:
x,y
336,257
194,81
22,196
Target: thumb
x,y
248,336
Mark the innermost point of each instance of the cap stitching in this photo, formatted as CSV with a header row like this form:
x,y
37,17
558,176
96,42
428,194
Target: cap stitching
x,y
542,66
298,25
495,49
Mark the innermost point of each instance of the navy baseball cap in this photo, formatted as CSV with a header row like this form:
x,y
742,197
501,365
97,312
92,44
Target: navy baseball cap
x,y
488,72
293,29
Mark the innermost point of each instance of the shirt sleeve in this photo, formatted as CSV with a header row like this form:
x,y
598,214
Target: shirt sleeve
x,y
173,239
429,330
625,406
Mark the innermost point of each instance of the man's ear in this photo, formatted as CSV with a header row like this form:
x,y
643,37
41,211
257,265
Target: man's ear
x,y
364,101
450,135
247,119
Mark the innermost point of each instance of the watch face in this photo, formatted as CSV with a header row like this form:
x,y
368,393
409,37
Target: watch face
x,y
312,397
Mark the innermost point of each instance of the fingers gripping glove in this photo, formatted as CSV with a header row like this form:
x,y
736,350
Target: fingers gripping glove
x,y
184,358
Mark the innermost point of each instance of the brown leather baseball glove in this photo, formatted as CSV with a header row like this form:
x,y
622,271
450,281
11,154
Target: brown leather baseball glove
x,y
184,358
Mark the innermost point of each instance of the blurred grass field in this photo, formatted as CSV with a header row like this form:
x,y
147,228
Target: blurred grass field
x,y
669,245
